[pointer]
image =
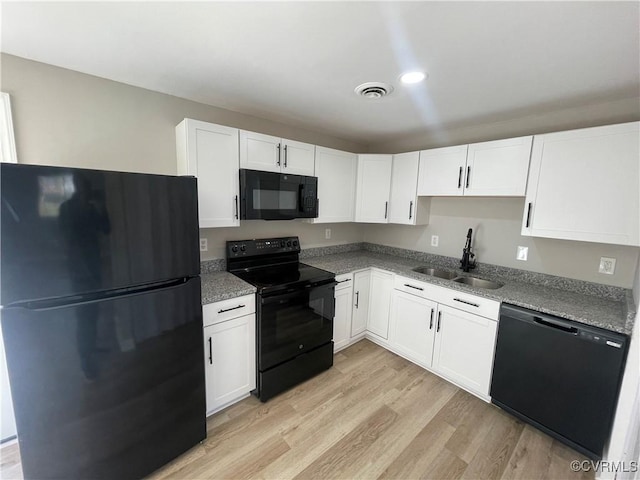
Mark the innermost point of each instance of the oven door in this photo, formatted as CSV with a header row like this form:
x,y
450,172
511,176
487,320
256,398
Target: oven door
x,y
294,322
275,196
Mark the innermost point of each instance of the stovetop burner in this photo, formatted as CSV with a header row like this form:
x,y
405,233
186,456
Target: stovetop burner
x,y
272,264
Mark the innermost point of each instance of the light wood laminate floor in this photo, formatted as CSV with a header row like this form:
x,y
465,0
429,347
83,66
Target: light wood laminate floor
x,y
373,415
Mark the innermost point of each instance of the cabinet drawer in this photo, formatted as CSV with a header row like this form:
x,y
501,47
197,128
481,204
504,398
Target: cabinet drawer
x,y
226,309
469,303
408,285
344,281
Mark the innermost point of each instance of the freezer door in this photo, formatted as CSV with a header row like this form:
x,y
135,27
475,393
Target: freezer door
x,y
107,389
72,231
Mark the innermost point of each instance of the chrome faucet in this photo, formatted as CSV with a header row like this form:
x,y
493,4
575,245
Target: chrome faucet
x,y
468,262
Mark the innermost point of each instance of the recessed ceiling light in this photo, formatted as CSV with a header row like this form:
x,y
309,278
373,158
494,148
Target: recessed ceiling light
x,y
412,77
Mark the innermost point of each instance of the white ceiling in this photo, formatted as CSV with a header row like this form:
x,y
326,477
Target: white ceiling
x,y
298,62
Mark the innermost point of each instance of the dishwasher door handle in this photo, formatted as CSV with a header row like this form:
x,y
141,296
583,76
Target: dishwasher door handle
x,y
558,326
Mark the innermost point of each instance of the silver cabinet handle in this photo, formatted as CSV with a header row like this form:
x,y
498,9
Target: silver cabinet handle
x,y
410,210
210,352
468,176
279,151
439,316
285,156
431,320
386,208
342,281
357,298
411,286
237,207
460,178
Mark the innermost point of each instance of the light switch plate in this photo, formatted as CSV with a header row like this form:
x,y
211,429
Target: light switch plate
x,y
523,253
203,245
607,265
327,233
434,240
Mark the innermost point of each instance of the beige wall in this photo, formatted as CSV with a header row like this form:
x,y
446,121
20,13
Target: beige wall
x,y
311,235
62,117
496,225
534,121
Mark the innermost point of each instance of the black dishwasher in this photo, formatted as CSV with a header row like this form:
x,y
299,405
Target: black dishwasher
x,y
561,376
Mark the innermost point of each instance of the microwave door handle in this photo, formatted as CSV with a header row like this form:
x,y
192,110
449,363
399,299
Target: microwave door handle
x,y
300,198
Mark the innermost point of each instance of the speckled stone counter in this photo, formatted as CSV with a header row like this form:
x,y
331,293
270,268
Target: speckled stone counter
x,y
218,286
601,306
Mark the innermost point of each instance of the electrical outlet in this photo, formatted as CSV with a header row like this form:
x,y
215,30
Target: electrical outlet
x,y
327,233
434,240
203,245
607,265
523,253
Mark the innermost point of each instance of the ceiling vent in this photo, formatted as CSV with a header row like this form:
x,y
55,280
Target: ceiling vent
x,y
374,90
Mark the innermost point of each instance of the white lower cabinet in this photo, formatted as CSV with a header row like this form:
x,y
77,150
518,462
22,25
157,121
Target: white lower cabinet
x,y
229,352
412,327
343,312
464,348
380,303
455,344
361,287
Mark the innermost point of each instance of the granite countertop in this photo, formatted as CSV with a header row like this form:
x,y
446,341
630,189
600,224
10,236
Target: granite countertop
x,y
222,285
593,304
612,314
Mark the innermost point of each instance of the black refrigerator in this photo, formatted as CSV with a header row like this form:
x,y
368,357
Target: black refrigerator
x,y
102,319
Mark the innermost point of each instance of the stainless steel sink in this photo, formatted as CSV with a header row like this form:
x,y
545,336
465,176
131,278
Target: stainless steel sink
x,y
478,282
435,272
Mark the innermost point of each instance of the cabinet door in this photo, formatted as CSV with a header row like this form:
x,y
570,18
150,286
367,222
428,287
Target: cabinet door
x,y
380,303
498,168
442,171
585,185
210,153
230,361
342,318
404,182
298,158
361,287
336,172
412,327
374,184
260,152
464,347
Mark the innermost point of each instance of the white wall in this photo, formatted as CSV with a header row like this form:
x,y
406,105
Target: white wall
x,y
496,224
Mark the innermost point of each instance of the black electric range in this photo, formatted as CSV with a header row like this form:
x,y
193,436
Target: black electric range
x,y
295,307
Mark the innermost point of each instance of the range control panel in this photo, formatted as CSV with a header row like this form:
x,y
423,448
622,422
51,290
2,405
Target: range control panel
x,y
263,246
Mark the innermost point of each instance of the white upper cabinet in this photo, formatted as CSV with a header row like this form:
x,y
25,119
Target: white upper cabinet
x,y
442,171
404,205
497,168
210,153
373,188
274,154
336,172
585,185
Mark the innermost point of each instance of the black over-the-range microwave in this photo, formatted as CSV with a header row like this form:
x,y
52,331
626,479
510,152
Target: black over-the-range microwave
x,y
277,196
